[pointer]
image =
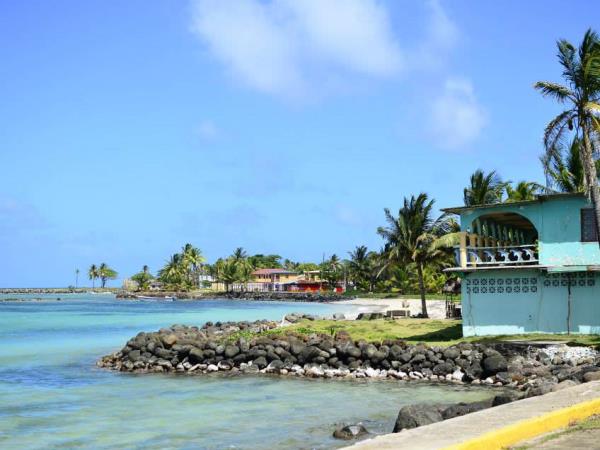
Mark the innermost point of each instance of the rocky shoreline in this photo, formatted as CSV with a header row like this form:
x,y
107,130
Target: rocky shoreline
x,y
38,291
307,297
264,347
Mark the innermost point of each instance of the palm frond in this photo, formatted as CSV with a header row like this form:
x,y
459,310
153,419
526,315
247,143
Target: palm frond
x,y
554,90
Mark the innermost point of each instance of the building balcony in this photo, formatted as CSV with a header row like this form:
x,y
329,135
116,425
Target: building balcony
x,y
470,257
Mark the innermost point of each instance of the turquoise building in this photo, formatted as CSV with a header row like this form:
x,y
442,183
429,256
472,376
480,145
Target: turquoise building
x,y
529,267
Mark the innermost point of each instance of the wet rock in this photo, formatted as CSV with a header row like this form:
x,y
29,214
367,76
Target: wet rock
x,y
591,376
350,432
507,397
460,409
563,385
414,416
494,364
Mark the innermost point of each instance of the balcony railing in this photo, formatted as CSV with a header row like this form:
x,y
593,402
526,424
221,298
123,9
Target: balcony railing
x,y
510,255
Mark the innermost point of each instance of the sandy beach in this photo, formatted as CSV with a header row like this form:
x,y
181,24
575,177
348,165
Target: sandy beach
x,y
435,308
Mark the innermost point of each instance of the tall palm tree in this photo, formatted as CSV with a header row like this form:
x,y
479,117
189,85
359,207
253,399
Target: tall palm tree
x,y
581,95
145,269
76,278
192,260
411,237
239,254
172,272
93,274
484,188
524,190
229,273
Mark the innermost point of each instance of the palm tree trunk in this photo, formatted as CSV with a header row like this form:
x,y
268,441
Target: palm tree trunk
x,y
592,178
422,290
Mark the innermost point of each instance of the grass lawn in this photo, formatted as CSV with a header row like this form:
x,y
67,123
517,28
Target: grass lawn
x,y
433,332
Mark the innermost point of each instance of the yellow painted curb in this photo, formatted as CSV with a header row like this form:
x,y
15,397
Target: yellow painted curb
x,y
530,428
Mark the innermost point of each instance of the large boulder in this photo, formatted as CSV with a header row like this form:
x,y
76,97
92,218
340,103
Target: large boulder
x,y
349,432
493,364
507,397
414,416
231,350
460,409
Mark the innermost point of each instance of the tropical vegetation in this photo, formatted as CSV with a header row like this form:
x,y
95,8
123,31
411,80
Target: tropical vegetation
x,y
580,120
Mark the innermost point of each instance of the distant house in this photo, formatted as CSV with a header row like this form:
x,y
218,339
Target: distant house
x,y
272,280
311,281
529,266
156,285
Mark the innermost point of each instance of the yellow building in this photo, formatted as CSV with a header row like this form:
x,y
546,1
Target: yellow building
x,y
272,279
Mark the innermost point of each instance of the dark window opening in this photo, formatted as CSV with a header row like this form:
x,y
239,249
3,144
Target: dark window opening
x,y
589,232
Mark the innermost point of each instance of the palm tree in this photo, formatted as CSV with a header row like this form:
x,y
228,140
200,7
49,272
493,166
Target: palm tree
x,y
484,189
172,272
192,260
563,167
413,237
581,95
93,274
76,277
239,254
106,273
524,190
143,278
229,273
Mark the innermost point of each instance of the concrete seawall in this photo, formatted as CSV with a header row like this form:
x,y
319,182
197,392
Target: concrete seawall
x,y
497,427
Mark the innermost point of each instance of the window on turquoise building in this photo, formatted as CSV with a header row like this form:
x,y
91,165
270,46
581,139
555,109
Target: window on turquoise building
x,y
588,225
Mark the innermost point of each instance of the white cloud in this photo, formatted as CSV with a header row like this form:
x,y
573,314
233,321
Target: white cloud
x,y
457,118
441,36
288,47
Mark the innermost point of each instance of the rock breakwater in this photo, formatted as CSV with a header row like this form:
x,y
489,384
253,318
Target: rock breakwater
x,y
264,347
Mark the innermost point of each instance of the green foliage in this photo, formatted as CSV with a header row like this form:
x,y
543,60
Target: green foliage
x,y
524,190
143,279
106,273
579,121
182,270
260,261
484,188
413,238
364,268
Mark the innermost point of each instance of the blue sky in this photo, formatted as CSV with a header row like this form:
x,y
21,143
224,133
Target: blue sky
x,y
130,128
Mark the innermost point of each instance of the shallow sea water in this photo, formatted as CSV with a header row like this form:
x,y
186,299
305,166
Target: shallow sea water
x,y
53,396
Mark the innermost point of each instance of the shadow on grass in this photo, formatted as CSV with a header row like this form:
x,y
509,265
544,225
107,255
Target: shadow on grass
x,y
450,333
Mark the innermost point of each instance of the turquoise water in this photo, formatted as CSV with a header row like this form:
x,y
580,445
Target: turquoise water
x,y
53,396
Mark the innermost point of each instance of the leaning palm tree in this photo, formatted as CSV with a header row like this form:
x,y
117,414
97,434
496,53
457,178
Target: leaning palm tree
x,y
581,95
411,238
484,188
106,273
524,190
93,274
